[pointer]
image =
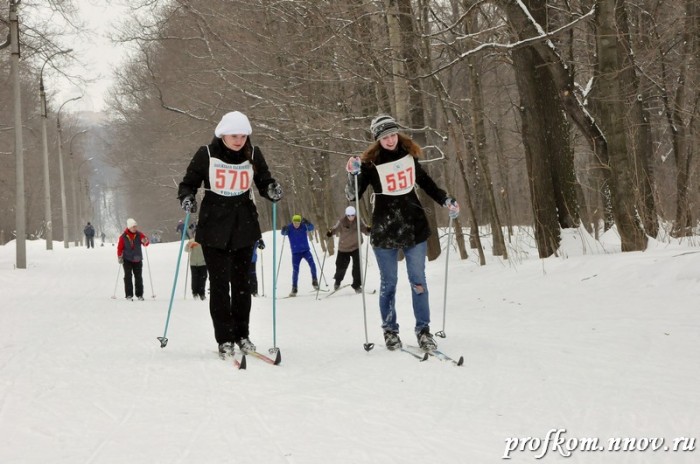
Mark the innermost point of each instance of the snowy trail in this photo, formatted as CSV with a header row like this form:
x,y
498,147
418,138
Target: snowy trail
x,y
602,345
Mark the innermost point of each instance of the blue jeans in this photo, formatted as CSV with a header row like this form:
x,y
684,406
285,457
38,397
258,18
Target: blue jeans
x,y
387,259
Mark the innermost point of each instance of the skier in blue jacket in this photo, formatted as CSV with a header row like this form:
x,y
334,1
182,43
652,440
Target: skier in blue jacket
x,y
298,233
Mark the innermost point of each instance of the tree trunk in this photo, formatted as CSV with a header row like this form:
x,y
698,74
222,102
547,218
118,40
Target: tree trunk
x,y
622,187
639,121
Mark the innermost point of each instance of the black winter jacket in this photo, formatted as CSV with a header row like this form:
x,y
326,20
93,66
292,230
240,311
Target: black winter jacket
x,y
397,221
226,222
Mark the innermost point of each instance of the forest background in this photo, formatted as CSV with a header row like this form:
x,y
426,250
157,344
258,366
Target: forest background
x,y
551,114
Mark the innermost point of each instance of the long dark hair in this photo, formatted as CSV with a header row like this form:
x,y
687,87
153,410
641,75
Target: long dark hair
x,y
405,143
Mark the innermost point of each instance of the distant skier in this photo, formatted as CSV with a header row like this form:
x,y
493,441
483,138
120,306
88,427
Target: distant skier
x,y
181,226
89,232
299,232
198,268
129,254
348,247
390,165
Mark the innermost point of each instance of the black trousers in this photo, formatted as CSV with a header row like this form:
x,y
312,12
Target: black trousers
x,y
229,292
135,269
89,241
341,265
199,279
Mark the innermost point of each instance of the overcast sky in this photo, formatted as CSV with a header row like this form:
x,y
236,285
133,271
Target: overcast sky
x,y
98,56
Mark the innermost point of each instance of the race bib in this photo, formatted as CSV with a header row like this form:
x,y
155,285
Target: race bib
x,y
397,177
229,180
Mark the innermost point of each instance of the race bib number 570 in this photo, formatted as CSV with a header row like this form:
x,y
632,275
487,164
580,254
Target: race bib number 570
x,y
397,177
229,179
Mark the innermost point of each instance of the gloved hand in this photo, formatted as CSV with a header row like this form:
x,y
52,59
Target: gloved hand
x,y
452,207
285,230
120,259
144,240
329,234
261,244
189,204
354,165
274,191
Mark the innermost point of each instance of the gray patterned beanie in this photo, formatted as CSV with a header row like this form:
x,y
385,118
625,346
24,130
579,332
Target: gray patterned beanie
x,y
382,126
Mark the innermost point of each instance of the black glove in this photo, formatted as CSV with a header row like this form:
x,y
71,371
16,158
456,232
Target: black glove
x,y
261,244
120,259
274,191
189,204
285,230
329,234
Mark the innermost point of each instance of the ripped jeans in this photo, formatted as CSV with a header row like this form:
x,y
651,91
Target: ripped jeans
x,y
387,259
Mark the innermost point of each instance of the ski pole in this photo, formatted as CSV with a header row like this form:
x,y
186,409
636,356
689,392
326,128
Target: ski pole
x,y
441,333
262,274
364,275
317,260
116,282
368,346
325,252
279,263
187,271
274,281
150,279
164,339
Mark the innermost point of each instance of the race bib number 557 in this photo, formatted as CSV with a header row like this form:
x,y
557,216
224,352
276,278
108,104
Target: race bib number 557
x,y
397,177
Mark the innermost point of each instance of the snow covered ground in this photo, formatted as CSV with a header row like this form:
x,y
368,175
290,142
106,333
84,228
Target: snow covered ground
x,y
593,344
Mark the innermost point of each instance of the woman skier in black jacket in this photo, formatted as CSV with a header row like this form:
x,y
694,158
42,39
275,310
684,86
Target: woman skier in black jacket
x,y
228,224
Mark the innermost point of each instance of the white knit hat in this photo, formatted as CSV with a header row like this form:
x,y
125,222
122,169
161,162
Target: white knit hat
x,y
131,222
233,123
350,211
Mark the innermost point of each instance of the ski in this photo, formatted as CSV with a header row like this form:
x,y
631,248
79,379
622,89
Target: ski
x,y
441,356
276,361
337,290
422,358
347,285
294,295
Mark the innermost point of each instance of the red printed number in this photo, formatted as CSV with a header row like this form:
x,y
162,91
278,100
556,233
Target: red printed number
x,y
400,180
236,180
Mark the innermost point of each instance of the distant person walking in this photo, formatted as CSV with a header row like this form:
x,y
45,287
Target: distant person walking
x,y
298,232
348,248
89,232
130,255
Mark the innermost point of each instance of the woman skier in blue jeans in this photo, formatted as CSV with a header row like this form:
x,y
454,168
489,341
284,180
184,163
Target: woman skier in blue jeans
x,y
390,165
